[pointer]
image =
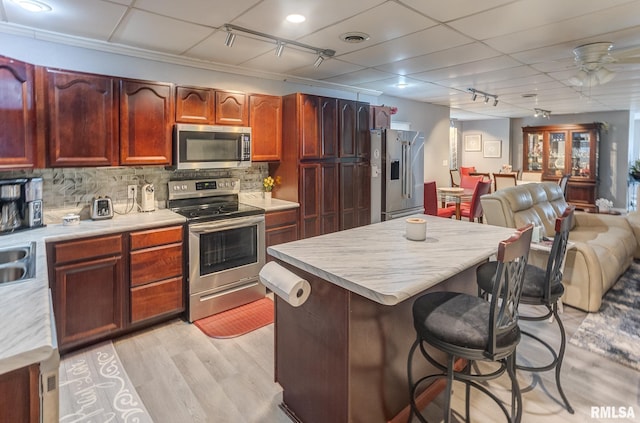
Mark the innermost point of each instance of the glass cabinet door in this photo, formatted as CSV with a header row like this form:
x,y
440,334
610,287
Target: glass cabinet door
x,y
534,152
557,149
580,153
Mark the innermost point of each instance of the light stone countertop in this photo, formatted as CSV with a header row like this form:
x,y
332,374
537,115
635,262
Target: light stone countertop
x,y
27,332
256,199
379,263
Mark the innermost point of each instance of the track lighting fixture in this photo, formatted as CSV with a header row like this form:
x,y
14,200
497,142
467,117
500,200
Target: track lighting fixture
x,y
231,37
542,113
321,53
487,96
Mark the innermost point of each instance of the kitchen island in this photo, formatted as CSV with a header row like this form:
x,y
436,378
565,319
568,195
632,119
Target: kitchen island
x,y
341,356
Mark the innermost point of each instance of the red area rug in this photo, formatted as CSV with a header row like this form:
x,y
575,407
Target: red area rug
x,y
239,320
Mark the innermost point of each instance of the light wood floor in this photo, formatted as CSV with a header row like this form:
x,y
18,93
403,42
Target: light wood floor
x,y
183,376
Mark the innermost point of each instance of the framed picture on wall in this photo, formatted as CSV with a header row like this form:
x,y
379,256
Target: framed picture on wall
x,y
493,148
473,142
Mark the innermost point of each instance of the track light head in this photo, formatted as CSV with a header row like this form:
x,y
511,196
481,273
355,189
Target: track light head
x,y
495,102
279,48
474,96
231,37
486,99
318,61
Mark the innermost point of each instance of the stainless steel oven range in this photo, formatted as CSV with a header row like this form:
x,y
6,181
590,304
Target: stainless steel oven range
x,y
226,245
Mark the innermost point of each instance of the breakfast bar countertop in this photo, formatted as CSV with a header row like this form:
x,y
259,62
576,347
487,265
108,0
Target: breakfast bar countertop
x,y
27,332
379,263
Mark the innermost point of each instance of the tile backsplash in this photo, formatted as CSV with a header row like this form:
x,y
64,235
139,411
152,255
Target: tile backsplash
x,y
73,188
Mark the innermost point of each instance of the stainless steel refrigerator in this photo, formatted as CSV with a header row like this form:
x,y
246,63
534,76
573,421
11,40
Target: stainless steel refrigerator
x,y
397,174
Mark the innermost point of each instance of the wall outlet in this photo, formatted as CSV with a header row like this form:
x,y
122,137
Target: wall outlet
x,y
132,191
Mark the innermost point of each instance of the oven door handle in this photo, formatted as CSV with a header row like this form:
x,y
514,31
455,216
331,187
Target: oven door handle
x,y
201,228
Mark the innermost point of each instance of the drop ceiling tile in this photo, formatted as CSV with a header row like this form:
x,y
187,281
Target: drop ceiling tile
x,y
481,66
243,49
327,70
85,18
441,59
445,11
413,45
291,60
382,23
485,81
359,77
204,12
146,30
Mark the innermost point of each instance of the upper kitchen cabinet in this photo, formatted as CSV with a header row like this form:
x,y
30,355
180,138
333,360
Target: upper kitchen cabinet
x,y
146,122
363,134
231,108
380,117
17,115
347,125
265,120
81,120
328,118
565,149
195,105
312,122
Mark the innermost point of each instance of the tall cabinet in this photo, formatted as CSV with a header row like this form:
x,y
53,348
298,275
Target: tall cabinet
x,y
559,150
325,165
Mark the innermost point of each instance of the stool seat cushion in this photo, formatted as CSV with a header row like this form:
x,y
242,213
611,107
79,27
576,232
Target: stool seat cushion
x,y
458,319
533,287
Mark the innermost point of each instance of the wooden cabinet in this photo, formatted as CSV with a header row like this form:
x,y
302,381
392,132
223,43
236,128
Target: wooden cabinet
x,y
156,273
347,125
231,108
265,120
81,119
315,123
355,195
87,282
19,395
146,122
280,227
17,115
328,119
318,199
363,132
558,150
195,105
380,117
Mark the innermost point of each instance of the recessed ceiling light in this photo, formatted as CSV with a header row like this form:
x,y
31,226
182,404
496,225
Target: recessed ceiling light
x,y
295,18
402,85
33,5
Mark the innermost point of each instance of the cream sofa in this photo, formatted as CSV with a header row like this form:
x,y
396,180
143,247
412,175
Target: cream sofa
x,y
605,245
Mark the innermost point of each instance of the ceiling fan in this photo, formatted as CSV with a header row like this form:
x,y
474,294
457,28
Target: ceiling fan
x,y
592,58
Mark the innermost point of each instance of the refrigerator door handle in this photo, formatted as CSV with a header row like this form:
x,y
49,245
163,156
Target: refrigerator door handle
x,y
408,174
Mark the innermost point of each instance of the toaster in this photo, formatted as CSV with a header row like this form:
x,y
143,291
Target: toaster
x,y
101,208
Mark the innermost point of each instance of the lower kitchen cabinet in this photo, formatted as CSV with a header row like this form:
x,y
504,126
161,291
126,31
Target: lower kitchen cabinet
x,y
280,227
19,395
88,285
156,273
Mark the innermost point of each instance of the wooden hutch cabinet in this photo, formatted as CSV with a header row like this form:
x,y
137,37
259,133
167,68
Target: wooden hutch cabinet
x,y
559,150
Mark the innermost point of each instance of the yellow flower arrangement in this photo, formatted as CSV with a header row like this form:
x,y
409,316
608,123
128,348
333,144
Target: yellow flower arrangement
x,y
269,183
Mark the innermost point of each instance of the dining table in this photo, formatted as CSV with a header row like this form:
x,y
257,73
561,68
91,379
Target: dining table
x,y
457,195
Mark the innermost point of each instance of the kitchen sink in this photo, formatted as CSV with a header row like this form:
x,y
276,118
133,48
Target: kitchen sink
x,y
17,263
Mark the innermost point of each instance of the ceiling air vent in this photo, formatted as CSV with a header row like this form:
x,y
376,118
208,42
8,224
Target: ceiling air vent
x,y
354,37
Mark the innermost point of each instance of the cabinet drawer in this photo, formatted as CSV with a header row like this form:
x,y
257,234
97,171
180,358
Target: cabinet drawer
x,y
281,218
153,237
88,248
154,264
156,299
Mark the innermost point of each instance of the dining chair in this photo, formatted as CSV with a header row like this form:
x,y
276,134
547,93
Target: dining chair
x,y
541,288
454,174
473,210
531,176
504,180
431,202
467,170
469,182
473,328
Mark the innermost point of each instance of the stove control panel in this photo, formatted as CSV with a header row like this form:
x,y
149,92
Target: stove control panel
x,y
203,188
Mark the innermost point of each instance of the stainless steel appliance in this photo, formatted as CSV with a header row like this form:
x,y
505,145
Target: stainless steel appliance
x,y
148,198
226,245
397,174
20,204
101,208
211,147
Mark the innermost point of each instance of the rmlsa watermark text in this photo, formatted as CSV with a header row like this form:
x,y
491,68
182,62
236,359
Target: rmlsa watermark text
x,y
611,412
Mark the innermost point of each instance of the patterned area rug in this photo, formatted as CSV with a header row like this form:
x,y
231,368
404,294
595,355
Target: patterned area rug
x,y
615,330
94,387
239,320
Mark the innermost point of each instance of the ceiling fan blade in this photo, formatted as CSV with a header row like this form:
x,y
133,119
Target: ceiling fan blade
x,y
623,53
627,61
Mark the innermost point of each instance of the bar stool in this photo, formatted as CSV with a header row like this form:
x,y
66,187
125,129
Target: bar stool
x,y
542,288
474,329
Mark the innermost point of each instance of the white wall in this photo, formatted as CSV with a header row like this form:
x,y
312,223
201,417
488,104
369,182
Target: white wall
x,y
433,121
493,129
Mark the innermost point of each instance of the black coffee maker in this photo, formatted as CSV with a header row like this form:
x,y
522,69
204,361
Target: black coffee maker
x,y
20,204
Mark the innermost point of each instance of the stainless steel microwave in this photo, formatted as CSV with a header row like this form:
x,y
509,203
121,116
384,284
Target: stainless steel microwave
x,y
211,147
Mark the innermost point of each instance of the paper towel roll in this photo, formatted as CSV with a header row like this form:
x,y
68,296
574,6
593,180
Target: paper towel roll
x,y
416,229
285,284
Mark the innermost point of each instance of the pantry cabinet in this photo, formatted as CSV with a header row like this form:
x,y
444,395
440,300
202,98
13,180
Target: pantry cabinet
x,y
17,115
265,120
560,150
81,119
146,122
195,105
380,117
87,281
355,195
